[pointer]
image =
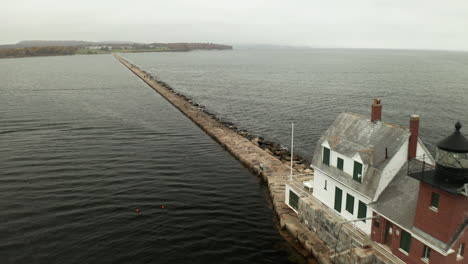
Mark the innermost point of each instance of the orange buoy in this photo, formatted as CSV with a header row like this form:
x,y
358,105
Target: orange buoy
x,y
137,210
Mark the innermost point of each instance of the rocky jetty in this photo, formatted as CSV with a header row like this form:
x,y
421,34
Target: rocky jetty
x,y
262,161
279,151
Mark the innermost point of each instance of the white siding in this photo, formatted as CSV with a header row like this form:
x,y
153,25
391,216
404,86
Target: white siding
x,y
348,164
421,151
328,198
325,196
325,144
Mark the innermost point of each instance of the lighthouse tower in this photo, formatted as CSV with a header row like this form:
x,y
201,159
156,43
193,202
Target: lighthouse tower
x,y
442,207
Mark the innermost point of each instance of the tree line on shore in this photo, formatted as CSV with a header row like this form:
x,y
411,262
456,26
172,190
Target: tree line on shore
x,y
193,46
37,51
12,52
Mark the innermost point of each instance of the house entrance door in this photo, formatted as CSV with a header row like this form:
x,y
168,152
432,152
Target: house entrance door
x,y
388,234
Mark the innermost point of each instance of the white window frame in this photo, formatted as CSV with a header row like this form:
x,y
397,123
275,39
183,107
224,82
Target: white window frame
x,y
426,254
460,246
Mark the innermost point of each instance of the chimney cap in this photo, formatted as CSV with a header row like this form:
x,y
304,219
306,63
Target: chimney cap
x,y
376,100
414,117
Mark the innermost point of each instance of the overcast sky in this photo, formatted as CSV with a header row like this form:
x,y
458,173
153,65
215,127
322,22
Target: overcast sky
x,y
420,24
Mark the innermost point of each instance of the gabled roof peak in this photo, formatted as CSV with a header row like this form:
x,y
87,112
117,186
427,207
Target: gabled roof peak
x,y
377,122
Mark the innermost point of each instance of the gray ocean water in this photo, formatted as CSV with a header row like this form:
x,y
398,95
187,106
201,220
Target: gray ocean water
x,y
263,91
84,143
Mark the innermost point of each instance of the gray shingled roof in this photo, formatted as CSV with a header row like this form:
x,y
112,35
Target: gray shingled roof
x,y
350,134
398,203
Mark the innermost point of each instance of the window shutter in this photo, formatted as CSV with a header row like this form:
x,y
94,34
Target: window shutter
x,y
350,203
357,173
338,198
340,164
362,211
293,200
326,156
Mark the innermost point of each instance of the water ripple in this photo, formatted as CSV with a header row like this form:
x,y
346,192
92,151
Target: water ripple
x,y
80,156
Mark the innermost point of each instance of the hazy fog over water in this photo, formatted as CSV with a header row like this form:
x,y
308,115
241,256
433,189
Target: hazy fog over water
x,y
413,24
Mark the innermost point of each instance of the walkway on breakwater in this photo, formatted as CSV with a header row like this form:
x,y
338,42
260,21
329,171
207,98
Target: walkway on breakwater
x,y
271,169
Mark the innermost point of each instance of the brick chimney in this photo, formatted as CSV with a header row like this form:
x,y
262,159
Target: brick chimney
x,y
413,140
376,114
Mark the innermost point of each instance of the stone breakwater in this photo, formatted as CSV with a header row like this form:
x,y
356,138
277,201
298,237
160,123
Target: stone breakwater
x,y
279,151
264,158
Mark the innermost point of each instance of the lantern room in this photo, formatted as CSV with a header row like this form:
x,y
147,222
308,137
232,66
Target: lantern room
x,y
452,158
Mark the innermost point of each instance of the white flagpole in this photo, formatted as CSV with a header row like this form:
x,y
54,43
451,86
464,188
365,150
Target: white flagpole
x,y
292,150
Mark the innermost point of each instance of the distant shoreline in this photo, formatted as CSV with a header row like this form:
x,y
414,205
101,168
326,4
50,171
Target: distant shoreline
x,y
18,51
103,53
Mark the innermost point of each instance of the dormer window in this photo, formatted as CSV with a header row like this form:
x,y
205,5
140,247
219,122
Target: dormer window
x,y
357,172
326,156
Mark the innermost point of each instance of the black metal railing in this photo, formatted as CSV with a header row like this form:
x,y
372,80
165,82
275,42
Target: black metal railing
x,y
419,166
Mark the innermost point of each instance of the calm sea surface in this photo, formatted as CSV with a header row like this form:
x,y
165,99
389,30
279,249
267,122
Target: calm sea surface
x,y
84,143
264,91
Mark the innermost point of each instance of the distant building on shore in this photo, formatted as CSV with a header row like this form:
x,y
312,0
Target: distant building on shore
x,y
99,47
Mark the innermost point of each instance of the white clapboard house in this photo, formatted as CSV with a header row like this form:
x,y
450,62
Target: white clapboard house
x,y
357,157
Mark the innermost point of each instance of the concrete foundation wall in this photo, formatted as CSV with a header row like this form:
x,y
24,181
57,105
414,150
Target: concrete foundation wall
x,y
345,244
327,229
